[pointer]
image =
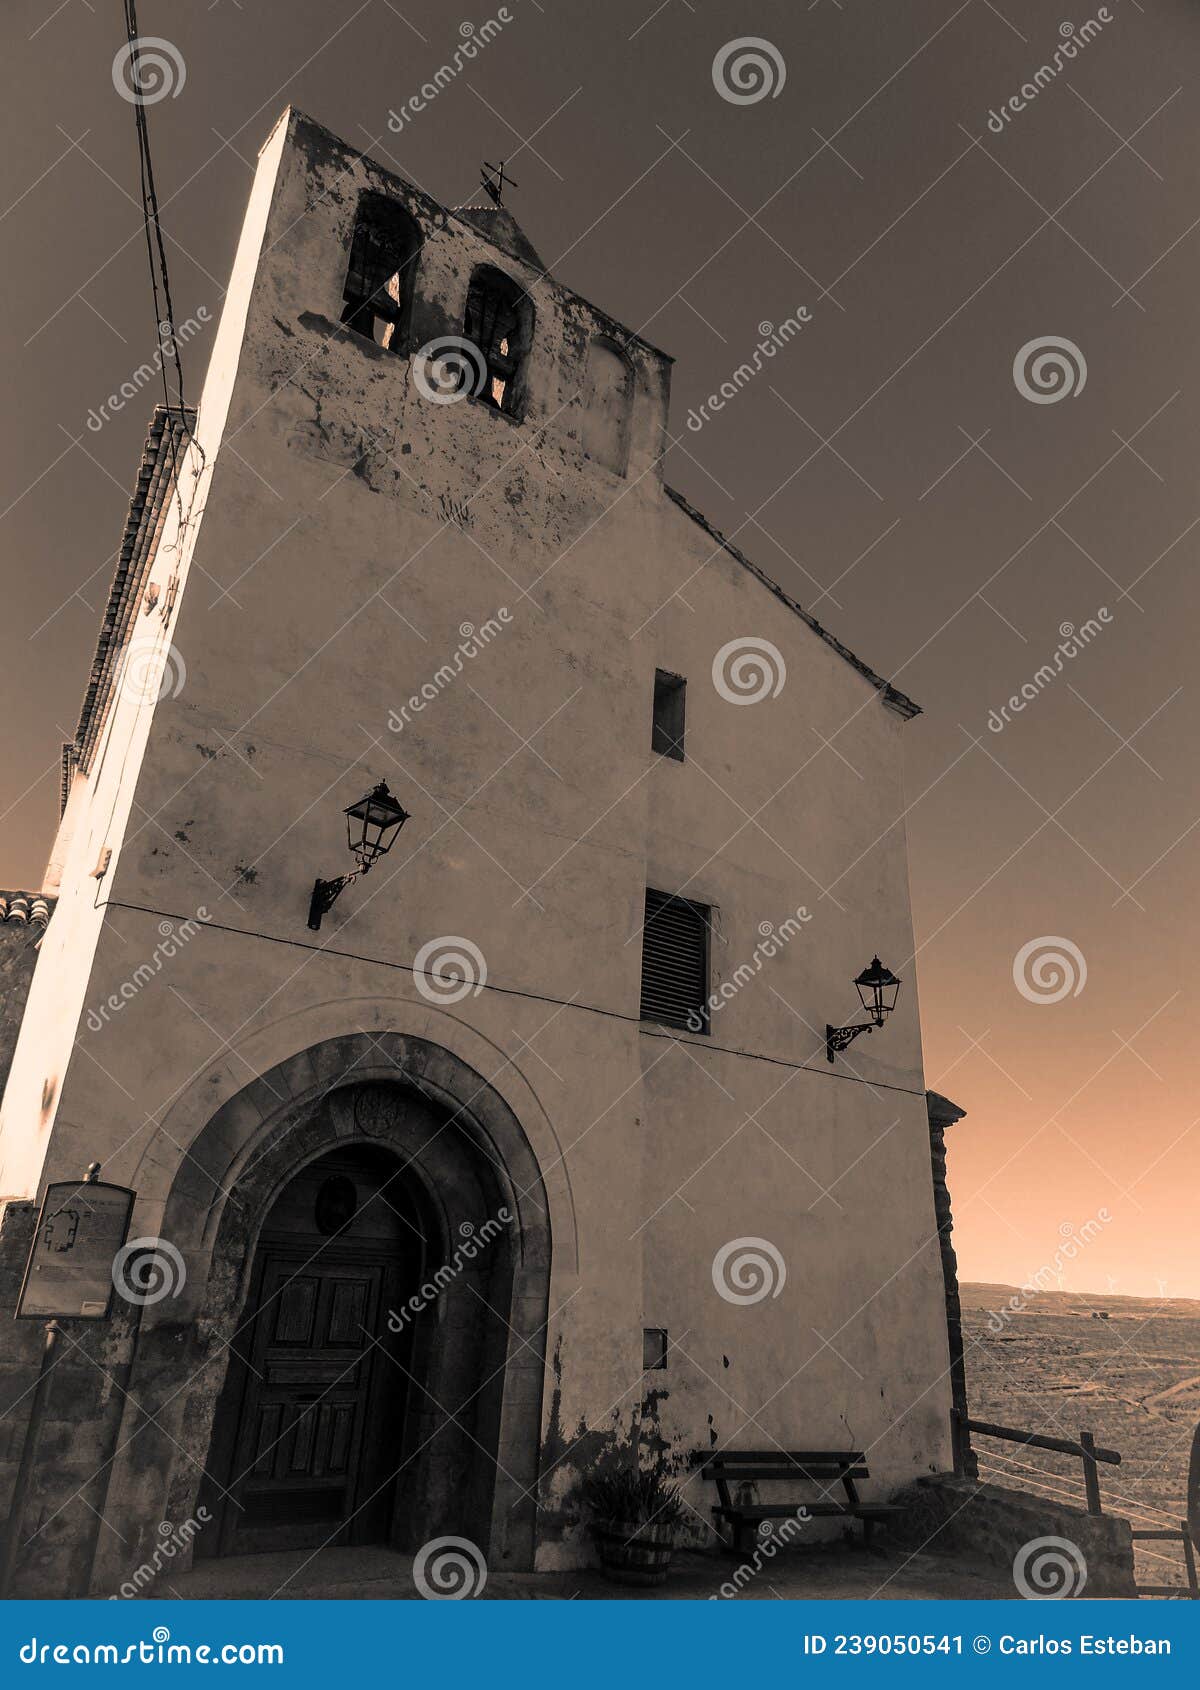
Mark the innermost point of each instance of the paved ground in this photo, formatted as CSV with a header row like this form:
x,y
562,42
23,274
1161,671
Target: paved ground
x,y
378,1574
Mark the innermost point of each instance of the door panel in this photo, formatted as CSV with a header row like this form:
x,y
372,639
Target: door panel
x,y
293,1313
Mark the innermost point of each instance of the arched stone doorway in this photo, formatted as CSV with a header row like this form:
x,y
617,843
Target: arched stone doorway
x,y
315,1422
463,1446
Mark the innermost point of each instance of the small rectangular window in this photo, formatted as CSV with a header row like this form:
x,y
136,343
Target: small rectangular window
x,y
654,1349
666,736
675,962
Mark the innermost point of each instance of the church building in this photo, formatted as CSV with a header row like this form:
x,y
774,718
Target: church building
x,y
470,867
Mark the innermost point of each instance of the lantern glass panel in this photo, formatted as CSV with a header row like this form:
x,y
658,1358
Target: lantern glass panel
x,y
878,989
373,823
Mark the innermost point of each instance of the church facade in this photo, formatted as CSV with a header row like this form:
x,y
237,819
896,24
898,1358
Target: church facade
x,y
522,1156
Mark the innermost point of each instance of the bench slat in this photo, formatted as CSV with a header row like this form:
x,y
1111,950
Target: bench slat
x,y
811,1472
835,1457
764,1511
783,1510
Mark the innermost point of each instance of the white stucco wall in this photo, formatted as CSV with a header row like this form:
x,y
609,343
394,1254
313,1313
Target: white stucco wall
x,y
100,802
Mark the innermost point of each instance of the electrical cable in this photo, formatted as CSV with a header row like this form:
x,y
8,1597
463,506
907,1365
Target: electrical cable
x,y
156,256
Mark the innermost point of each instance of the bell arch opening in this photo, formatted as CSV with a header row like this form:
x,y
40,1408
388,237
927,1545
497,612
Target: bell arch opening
x,y
607,409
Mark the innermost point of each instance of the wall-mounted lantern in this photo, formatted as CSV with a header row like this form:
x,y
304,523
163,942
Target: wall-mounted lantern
x,y
371,826
878,989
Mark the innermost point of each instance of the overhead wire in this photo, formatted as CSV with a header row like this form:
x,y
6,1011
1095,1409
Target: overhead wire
x,y
156,256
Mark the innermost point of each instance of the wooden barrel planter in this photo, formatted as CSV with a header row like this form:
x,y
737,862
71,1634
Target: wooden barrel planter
x,y
635,1553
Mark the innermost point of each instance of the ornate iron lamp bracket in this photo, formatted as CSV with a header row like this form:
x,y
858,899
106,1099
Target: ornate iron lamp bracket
x,y
325,894
837,1038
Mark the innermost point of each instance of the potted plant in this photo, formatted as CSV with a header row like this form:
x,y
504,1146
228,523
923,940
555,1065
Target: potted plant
x,y
635,1519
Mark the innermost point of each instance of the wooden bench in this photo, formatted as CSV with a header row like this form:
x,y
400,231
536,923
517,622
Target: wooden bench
x,y
824,1468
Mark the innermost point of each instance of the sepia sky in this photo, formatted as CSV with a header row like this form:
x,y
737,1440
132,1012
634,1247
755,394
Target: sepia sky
x,y
885,467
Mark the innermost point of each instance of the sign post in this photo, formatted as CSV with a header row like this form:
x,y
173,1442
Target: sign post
x,y
69,1275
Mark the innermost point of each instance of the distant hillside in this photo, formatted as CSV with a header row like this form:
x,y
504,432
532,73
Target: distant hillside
x,y
1126,1369
997,1297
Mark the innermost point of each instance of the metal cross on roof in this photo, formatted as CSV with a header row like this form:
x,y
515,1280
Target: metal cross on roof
x,y
495,188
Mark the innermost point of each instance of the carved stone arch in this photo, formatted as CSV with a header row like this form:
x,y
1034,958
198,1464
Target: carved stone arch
x,y
213,1122
607,404
479,1344
225,1149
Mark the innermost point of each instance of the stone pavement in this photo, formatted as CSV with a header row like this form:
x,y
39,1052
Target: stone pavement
x,y
831,1572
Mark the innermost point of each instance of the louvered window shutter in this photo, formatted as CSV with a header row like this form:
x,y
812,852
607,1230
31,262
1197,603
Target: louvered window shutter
x,y
675,962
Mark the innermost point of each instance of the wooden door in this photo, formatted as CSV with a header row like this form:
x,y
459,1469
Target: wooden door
x,y
322,1395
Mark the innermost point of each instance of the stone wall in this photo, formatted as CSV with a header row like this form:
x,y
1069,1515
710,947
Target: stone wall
x,y
20,1343
943,1114
960,1516
18,956
63,1511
